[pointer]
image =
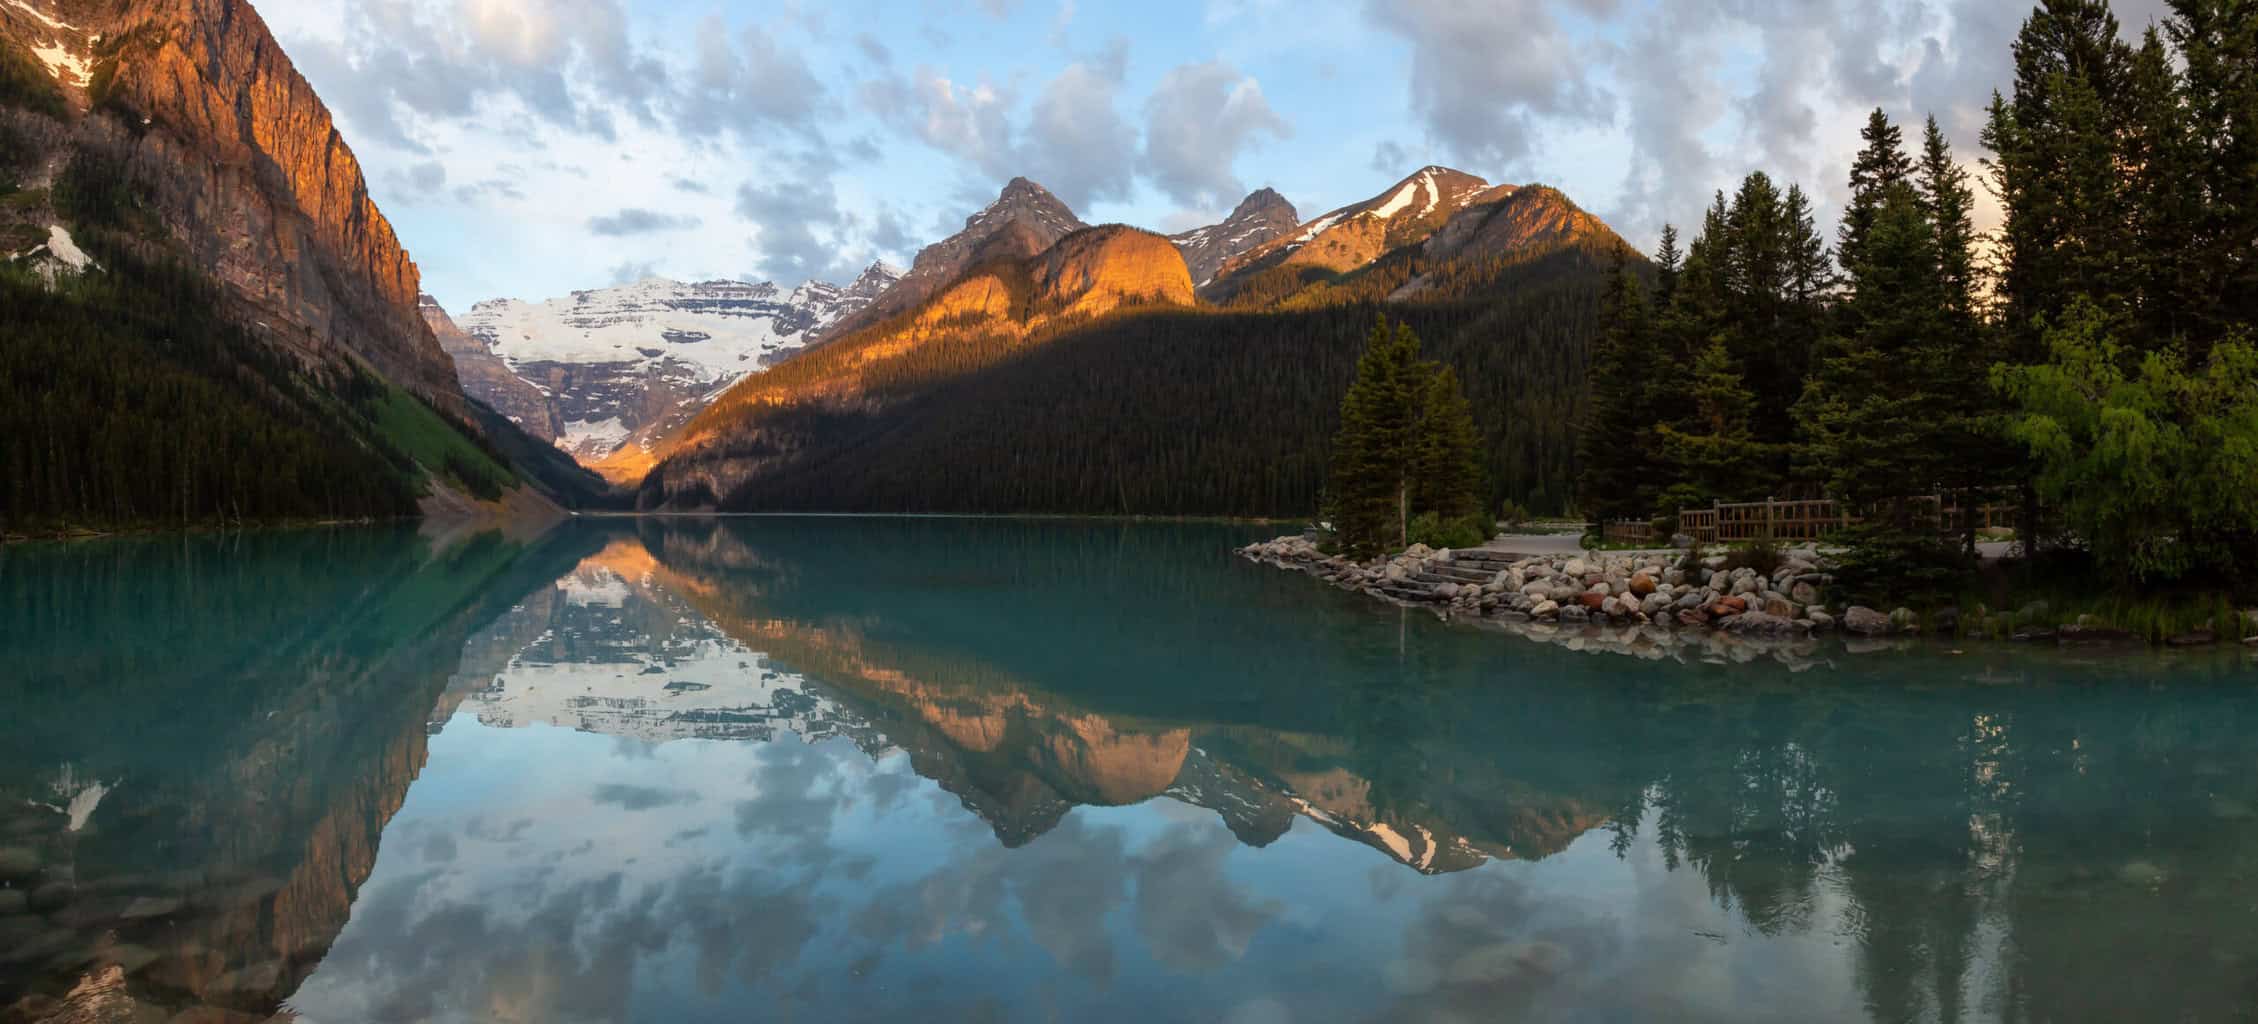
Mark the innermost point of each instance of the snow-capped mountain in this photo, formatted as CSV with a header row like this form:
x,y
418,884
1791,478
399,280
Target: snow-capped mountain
x,y
1260,217
1359,233
623,366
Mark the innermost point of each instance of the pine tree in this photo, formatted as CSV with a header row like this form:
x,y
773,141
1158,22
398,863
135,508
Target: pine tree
x,y
2217,43
1880,165
1447,473
1668,262
1874,412
1613,442
1949,203
1369,488
1716,456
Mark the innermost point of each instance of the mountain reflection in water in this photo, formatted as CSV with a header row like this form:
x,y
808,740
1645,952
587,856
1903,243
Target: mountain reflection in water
x,y
852,769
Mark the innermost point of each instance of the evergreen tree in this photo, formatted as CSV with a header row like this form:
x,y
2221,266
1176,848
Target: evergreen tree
x,y
1408,447
2217,43
1949,203
1874,413
1615,437
1372,455
1447,472
1717,457
1668,262
1880,165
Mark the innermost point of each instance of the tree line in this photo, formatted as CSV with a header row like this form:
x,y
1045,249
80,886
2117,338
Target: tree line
x,y
1214,413
2092,363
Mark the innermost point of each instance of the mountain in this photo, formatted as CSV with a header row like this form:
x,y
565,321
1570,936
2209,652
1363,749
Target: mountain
x,y
486,377
1357,234
603,373
1006,300
1028,218
194,252
998,392
1259,218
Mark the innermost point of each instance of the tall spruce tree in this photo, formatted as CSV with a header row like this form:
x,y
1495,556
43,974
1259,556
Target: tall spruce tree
x,y
1370,482
1614,443
1880,165
2217,45
1874,413
1407,446
1716,456
1446,471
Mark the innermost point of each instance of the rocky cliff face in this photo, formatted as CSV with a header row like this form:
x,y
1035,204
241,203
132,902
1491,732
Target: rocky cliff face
x,y
1262,216
1359,233
1025,209
242,165
606,373
1502,221
487,378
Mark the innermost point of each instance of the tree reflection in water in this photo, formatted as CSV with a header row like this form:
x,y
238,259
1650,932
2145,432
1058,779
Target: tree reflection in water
x,y
797,718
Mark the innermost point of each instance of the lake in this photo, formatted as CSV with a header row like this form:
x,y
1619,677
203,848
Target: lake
x,y
834,769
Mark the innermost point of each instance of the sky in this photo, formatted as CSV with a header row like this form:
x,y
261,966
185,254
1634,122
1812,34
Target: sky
x,y
529,148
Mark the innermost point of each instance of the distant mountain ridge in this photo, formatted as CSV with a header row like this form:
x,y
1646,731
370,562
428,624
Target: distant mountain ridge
x,y
1359,233
605,372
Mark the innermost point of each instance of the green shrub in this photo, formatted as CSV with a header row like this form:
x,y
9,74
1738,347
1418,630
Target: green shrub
x,y
1881,566
1764,556
1462,532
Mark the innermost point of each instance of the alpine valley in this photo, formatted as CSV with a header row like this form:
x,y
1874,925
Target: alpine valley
x,y
189,240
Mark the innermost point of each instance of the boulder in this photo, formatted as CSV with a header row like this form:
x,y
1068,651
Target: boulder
x,y
1761,624
1576,567
1642,584
1545,610
1591,600
1820,620
1575,614
1693,617
1904,619
1803,593
1447,591
1865,621
1782,608
1602,589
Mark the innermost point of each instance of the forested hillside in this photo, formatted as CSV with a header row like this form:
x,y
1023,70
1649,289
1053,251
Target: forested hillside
x,y
1176,412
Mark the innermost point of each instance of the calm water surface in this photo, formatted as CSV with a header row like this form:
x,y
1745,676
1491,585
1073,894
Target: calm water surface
x,y
844,770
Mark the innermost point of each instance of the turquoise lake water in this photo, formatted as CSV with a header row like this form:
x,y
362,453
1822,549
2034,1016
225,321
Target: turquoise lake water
x,y
876,769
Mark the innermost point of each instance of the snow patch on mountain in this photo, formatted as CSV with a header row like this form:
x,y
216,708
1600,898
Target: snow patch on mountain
x,y
625,365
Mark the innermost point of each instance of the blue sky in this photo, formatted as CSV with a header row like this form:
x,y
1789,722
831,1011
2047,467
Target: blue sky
x,y
528,148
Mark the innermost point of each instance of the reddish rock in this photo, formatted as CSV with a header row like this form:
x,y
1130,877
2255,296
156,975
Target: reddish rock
x,y
1642,584
1693,617
1592,601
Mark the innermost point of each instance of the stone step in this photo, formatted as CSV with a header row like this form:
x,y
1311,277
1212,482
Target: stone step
x,y
1461,574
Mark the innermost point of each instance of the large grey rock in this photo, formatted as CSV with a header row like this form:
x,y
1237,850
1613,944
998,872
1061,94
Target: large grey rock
x,y
1803,593
1760,624
1865,621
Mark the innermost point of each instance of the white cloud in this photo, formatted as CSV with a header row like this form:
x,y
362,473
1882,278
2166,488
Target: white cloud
x,y
1197,122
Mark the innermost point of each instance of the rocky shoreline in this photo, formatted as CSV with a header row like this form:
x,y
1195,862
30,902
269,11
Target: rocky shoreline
x,y
1654,604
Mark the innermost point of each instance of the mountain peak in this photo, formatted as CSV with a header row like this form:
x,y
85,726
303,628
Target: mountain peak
x,y
1260,218
1027,214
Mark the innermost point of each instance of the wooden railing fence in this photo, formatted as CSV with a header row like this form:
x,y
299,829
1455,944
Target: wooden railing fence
x,y
1812,519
